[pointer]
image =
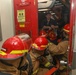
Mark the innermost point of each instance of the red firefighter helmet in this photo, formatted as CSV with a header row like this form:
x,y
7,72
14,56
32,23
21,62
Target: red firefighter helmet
x,y
13,48
52,36
40,43
67,28
43,33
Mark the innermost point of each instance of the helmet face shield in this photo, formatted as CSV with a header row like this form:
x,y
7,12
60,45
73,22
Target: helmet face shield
x,y
14,47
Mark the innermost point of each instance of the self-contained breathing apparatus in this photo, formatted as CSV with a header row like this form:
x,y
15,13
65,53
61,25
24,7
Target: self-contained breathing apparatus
x,y
42,58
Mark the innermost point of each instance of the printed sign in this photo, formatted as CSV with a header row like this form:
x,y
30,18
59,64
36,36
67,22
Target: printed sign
x,y
21,15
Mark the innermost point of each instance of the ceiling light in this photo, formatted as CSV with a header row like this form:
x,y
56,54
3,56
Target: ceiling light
x,y
44,4
42,0
43,9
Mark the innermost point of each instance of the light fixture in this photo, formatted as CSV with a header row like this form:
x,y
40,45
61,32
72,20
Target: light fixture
x,y
42,0
43,9
45,3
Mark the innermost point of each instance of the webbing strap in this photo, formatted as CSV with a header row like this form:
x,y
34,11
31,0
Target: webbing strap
x,y
20,62
29,59
30,64
51,71
54,69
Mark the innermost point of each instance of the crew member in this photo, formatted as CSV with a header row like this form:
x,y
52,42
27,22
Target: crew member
x,y
13,57
40,63
60,50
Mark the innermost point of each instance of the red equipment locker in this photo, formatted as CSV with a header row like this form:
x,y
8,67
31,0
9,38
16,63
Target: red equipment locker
x,y
26,17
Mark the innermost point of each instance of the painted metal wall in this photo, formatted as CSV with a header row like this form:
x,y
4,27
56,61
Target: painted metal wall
x,y
7,22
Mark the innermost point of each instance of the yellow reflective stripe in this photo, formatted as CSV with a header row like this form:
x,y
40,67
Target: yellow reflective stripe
x,y
35,45
66,30
18,51
43,46
2,53
47,64
35,71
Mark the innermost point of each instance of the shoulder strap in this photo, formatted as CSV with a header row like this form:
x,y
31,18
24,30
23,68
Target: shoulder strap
x,y
29,59
30,64
20,62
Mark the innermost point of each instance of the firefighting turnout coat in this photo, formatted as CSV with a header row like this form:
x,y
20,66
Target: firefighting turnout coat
x,y
60,51
37,69
14,67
